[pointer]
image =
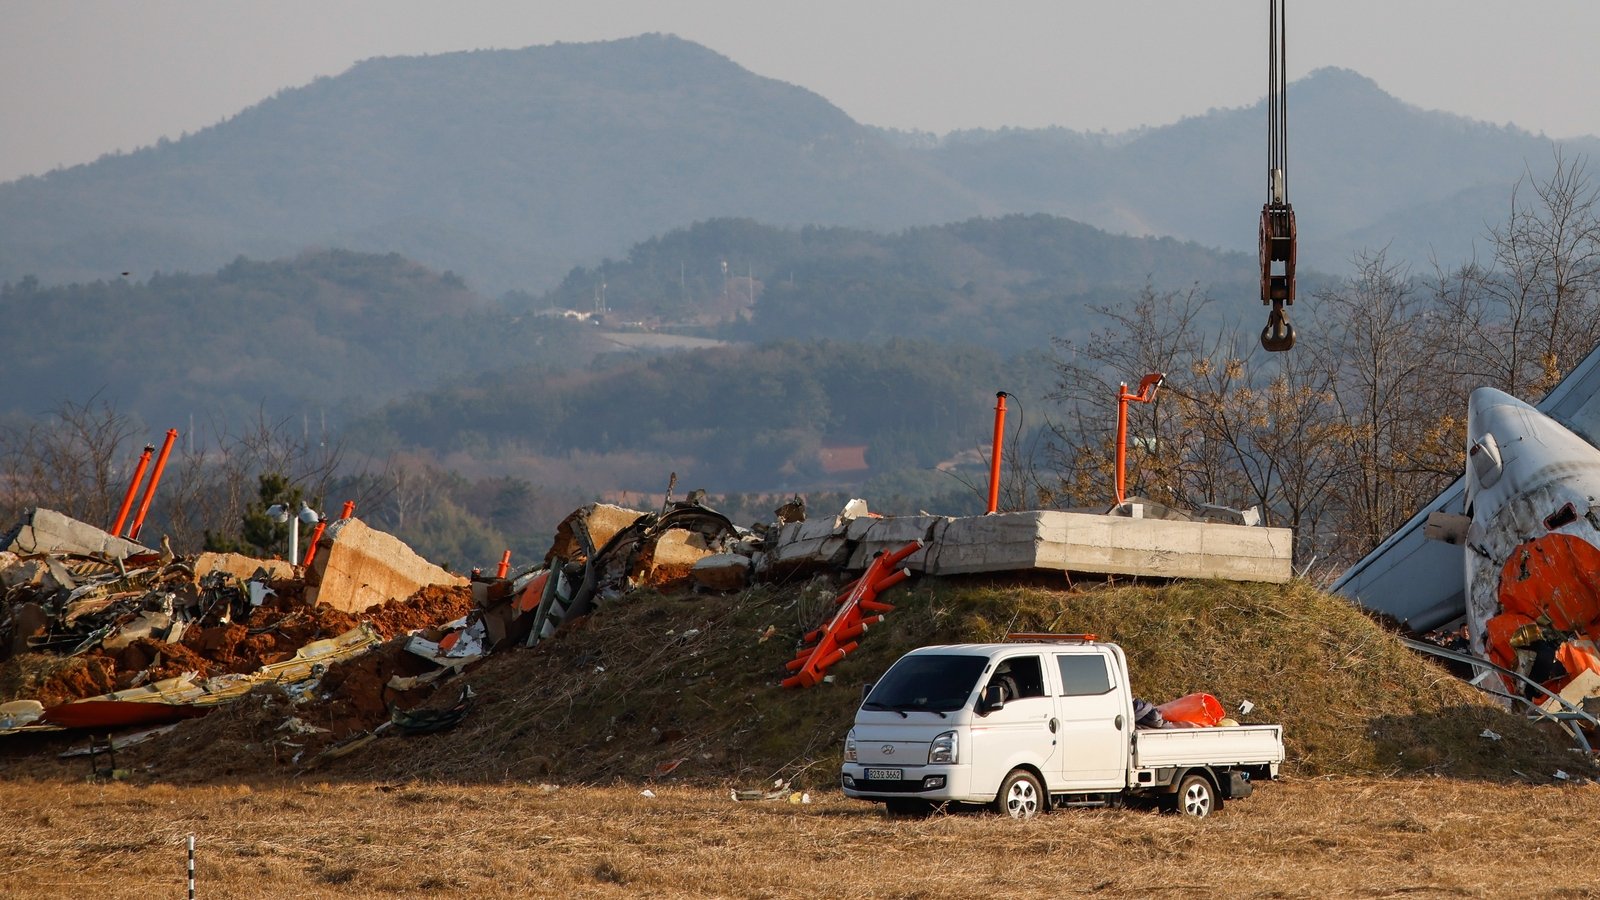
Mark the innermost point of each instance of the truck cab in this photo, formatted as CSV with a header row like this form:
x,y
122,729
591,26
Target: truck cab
x,y
1027,726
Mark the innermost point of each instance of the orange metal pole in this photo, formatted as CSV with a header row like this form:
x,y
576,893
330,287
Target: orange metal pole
x,y
155,479
349,509
505,565
133,488
1122,437
316,535
1147,392
999,437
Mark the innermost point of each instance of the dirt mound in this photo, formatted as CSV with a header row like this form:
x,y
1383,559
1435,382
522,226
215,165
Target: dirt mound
x,y
432,605
54,680
155,660
652,685
242,739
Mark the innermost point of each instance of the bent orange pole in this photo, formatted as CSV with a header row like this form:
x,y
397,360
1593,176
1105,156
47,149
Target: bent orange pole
x,y
1147,393
133,488
999,438
155,479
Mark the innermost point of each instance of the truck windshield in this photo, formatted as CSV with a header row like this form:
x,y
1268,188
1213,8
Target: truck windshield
x,y
935,683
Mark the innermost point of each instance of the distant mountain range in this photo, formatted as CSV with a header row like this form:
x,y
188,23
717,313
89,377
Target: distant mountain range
x,y
1365,171
509,168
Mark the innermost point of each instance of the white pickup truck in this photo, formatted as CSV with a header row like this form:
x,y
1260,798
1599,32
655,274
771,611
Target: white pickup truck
x,y
1027,726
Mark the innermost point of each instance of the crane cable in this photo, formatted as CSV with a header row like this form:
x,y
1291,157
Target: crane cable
x,y
1277,105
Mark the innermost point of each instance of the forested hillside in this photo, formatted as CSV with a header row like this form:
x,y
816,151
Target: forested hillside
x,y
295,336
328,330
739,418
1007,284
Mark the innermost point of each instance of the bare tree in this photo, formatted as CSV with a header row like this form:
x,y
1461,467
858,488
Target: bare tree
x,y
1527,318
70,461
217,482
1156,333
1397,404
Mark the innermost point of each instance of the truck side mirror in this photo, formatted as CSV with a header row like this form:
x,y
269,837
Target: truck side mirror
x,y
992,698
866,688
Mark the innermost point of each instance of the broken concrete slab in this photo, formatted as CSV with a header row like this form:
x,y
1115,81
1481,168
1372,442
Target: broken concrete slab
x,y
805,546
1081,542
888,534
722,572
47,531
357,567
241,567
588,529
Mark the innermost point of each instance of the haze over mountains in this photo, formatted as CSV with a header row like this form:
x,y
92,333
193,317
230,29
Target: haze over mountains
x,y
512,167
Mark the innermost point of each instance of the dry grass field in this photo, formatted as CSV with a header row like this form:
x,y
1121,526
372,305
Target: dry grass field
x,y
1329,837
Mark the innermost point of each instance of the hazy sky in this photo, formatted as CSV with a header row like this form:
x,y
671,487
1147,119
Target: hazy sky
x,y
81,78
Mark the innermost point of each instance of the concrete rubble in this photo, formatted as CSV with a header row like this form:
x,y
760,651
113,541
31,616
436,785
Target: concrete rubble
x,y
1035,540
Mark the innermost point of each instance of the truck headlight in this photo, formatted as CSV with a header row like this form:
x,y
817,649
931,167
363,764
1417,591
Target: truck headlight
x,y
945,750
850,746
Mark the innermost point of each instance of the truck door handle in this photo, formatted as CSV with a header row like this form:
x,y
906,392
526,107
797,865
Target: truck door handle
x,y
1053,725
1118,721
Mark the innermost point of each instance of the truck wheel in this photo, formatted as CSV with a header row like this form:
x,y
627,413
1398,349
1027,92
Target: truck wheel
x,y
1020,796
1195,797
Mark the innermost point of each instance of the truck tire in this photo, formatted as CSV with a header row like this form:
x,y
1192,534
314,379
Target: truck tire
x,y
1195,797
1020,795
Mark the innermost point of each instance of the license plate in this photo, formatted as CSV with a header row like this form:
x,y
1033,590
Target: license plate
x,y
883,774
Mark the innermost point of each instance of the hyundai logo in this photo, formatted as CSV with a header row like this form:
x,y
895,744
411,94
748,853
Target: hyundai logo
x,y
888,750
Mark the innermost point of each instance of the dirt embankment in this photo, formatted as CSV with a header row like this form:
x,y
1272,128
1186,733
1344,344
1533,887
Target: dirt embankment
x,y
689,684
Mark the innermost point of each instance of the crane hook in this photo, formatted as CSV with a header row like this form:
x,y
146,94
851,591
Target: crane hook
x,y
1279,334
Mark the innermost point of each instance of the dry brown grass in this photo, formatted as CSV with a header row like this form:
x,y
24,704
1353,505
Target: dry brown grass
x,y
1346,837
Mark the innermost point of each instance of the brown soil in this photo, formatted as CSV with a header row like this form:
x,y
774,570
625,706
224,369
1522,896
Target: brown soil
x,y
157,660
432,605
52,685
238,739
